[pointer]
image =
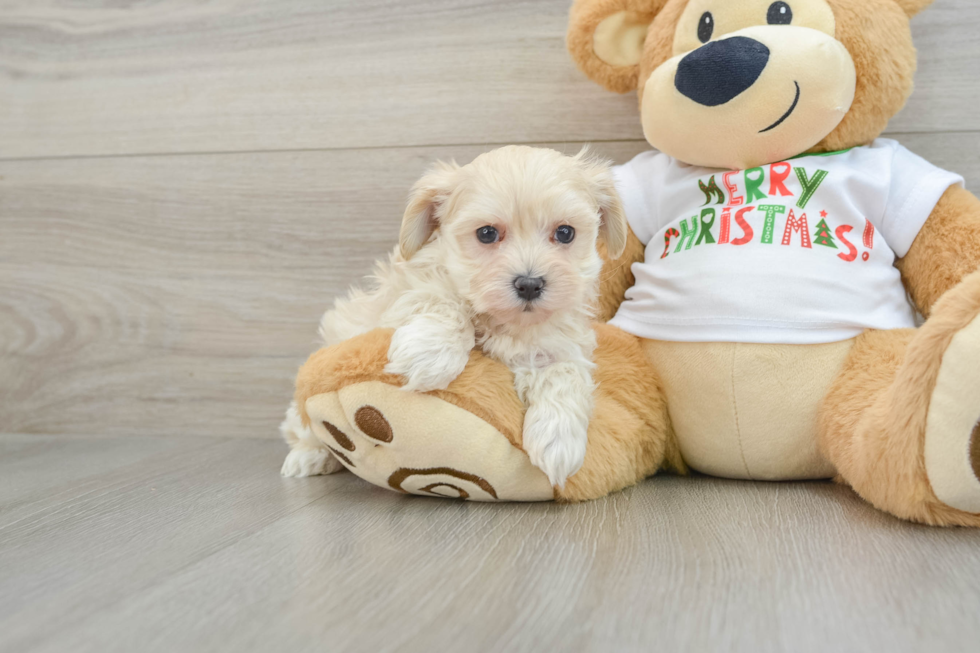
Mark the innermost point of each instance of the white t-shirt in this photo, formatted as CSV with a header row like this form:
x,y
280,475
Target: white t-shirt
x,y
797,252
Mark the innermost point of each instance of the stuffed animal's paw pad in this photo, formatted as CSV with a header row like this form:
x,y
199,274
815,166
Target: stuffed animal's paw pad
x,y
373,424
975,451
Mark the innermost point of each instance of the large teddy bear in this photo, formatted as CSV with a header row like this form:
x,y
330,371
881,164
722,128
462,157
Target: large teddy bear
x,y
766,332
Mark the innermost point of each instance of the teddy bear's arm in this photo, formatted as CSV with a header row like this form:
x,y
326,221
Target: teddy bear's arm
x,y
617,277
946,250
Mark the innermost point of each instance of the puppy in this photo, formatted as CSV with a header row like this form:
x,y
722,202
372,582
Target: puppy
x,y
499,254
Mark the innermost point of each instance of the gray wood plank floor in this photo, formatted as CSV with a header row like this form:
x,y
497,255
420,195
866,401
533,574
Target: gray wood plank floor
x,y
175,544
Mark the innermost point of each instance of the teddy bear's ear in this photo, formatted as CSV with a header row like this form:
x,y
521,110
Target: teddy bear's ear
x,y
605,37
912,7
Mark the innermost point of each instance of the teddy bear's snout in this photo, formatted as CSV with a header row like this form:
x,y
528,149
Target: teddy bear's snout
x,y
719,71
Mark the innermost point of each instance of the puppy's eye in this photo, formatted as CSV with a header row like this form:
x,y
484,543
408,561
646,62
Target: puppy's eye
x,y
487,235
780,14
564,234
706,27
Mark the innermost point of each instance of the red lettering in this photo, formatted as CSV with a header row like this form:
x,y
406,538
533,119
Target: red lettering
x,y
746,227
794,224
733,199
778,174
671,233
726,226
869,235
852,251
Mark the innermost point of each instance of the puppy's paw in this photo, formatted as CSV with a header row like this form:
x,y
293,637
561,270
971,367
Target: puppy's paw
x,y
428,359
555,442
292,430
303,461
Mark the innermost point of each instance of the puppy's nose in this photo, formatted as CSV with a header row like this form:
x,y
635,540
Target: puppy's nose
x,y
719,71
528,288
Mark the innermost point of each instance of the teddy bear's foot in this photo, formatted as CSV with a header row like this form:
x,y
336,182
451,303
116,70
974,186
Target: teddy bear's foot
x,y
420,444
901,422
952,437
465,441
461,442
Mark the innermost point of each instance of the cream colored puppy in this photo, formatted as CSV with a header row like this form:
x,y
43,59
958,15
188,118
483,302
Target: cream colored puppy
x,y
499,254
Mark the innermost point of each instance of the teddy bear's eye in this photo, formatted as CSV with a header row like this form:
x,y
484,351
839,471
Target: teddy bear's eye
x,y
780,14
706,27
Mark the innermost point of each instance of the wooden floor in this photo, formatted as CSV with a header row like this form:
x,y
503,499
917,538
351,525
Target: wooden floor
x,y
185,185
175,544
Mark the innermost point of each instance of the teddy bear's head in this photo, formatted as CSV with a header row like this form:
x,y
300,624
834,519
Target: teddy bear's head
x,y
742,83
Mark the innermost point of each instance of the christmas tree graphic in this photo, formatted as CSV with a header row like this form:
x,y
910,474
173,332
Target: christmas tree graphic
x,y
823,237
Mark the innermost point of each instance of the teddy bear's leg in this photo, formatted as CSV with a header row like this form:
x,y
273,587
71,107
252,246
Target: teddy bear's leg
x,y
465,441
900,421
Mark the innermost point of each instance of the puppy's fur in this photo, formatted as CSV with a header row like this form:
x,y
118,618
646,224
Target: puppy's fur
x,y
445,292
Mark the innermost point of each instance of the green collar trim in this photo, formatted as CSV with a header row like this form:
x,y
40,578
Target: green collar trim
x,y
800,156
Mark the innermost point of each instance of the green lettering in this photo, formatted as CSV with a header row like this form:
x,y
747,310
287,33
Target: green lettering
x,y
688,234
772,210
822,236
810,185
705,235
711,191
754,179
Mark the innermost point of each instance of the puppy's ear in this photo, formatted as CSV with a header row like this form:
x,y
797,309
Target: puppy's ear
x,y
614,228
422,213
912,7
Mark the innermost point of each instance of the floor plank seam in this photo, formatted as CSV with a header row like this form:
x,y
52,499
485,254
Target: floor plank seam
x,y
411,146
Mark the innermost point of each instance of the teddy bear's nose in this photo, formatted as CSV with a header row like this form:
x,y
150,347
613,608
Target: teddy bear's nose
x,y
720,70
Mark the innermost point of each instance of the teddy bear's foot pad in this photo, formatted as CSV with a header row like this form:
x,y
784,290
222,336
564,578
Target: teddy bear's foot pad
x,y
419,444
975,451
952,441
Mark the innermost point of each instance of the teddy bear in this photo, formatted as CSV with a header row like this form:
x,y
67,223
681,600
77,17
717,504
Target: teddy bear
x,y
762,322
